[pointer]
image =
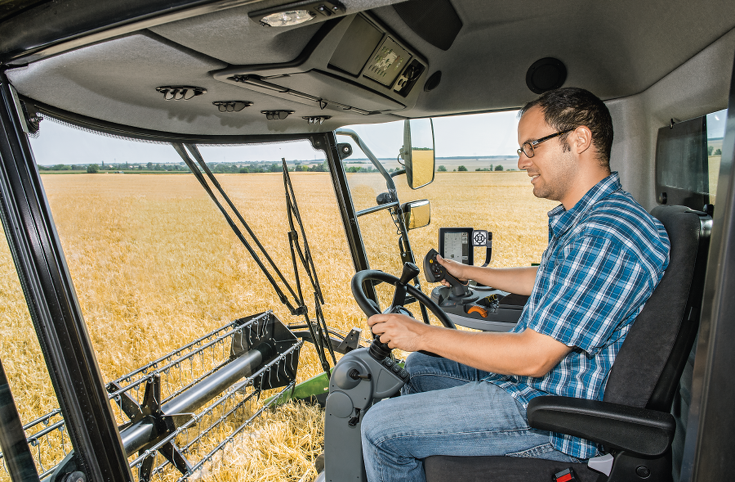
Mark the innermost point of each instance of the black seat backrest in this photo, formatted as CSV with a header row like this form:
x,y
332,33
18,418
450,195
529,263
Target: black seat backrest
x,y
650,362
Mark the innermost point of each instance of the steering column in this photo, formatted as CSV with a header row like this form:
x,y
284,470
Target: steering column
x,y
365,376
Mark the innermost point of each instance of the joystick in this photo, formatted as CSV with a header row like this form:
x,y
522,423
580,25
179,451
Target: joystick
x,y
435,272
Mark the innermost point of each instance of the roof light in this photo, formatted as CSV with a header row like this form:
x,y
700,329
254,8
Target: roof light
x,y
297,13
287,19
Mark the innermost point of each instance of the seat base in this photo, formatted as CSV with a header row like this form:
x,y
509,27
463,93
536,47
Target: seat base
x,y
440,468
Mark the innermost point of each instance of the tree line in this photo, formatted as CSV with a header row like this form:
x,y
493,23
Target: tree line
x,y
219,167
464,169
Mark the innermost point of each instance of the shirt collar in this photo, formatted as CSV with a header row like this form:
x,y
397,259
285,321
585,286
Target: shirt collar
x,y
560,220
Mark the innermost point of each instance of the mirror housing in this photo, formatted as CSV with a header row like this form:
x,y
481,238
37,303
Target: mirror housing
x,y
416,214
418,152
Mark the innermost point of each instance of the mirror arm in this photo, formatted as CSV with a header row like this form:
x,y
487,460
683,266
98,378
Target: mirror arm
x,y
388,180
407,254
375,209
397,173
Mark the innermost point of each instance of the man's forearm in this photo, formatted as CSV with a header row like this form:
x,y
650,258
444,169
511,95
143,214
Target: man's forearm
x,y
514,280
521,354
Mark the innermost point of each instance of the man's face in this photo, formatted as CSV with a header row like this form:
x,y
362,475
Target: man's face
x,y
552,170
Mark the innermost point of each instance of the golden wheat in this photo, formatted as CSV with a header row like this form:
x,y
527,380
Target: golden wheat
x,y
155,265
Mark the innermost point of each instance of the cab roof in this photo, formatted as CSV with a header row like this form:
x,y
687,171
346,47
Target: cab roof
x,y
367,61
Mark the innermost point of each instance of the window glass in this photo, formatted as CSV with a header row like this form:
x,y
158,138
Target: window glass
x,y
25,369
155,264
715,134
477,184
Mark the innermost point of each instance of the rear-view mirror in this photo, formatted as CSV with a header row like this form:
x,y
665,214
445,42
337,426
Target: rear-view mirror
x,y
417,214
418,152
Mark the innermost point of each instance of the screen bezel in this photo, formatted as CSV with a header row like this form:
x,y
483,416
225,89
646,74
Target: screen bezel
x,y
469,231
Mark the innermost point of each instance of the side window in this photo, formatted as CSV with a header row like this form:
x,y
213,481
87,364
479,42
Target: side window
x,y
379,233
27,375
715,134
477,184
688,160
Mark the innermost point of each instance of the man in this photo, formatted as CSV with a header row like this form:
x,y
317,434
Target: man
x,y
605,257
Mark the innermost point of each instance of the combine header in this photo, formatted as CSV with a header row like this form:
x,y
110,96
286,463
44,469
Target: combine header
x,y
178,413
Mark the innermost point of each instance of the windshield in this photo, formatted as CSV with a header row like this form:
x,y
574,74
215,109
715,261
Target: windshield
x,y
156,267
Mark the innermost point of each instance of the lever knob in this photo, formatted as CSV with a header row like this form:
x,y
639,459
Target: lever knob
x,y
410,271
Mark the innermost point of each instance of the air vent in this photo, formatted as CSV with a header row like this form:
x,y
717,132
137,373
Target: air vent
x,y
180,92
317,119
232,105
276,114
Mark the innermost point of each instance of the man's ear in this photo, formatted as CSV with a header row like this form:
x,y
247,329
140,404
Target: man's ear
x,y
580,139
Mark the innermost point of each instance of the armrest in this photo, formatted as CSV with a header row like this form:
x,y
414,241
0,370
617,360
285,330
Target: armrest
x,y
636,430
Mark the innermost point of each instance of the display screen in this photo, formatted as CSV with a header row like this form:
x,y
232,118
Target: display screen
x,y
457,246
387,62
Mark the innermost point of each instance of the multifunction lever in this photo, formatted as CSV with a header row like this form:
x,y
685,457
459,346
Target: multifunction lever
x,y
435,272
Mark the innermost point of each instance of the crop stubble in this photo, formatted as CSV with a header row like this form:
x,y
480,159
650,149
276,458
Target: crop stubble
x,y
155,265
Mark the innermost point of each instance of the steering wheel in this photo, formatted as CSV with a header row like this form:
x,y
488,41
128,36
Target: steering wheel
x,y
378,348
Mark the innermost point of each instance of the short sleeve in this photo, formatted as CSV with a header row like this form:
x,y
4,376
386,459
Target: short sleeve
x,y
596,287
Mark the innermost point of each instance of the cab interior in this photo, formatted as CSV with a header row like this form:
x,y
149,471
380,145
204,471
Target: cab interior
x,y
215,72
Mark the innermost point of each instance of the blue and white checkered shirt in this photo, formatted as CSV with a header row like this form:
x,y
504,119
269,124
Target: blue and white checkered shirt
x,y
605,257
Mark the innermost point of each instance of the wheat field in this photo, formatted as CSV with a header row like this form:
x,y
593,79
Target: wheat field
x,y
155,265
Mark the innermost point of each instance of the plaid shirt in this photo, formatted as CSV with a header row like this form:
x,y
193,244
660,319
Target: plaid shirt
x,y
605,257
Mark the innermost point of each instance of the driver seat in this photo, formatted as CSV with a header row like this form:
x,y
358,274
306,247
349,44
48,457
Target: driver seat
x,y
633,423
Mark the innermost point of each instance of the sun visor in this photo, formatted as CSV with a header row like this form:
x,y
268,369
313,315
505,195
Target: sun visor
x,y
353,64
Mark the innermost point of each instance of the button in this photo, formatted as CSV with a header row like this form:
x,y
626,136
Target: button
x,y
403,374
388,362
396,368
642,471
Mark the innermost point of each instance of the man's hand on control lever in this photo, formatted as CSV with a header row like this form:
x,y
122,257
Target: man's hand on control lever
x,y
458,270
513,280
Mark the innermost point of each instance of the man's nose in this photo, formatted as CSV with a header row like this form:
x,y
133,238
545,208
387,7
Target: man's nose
x,y
523,162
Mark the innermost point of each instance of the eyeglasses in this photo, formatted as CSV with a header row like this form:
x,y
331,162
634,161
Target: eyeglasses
x,y
527,147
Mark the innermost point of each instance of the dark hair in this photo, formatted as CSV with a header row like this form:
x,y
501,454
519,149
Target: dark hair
x,y
571,107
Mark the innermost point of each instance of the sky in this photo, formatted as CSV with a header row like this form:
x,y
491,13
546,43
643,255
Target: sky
x,y
491,134
716,124
470,135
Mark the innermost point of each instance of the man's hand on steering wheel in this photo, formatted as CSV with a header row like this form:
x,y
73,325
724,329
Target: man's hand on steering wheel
x,y
399,327
398,331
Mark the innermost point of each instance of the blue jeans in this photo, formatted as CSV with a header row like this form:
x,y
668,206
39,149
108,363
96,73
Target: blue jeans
x,y
446,409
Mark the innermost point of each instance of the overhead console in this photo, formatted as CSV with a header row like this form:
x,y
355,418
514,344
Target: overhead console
x,y
352,64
